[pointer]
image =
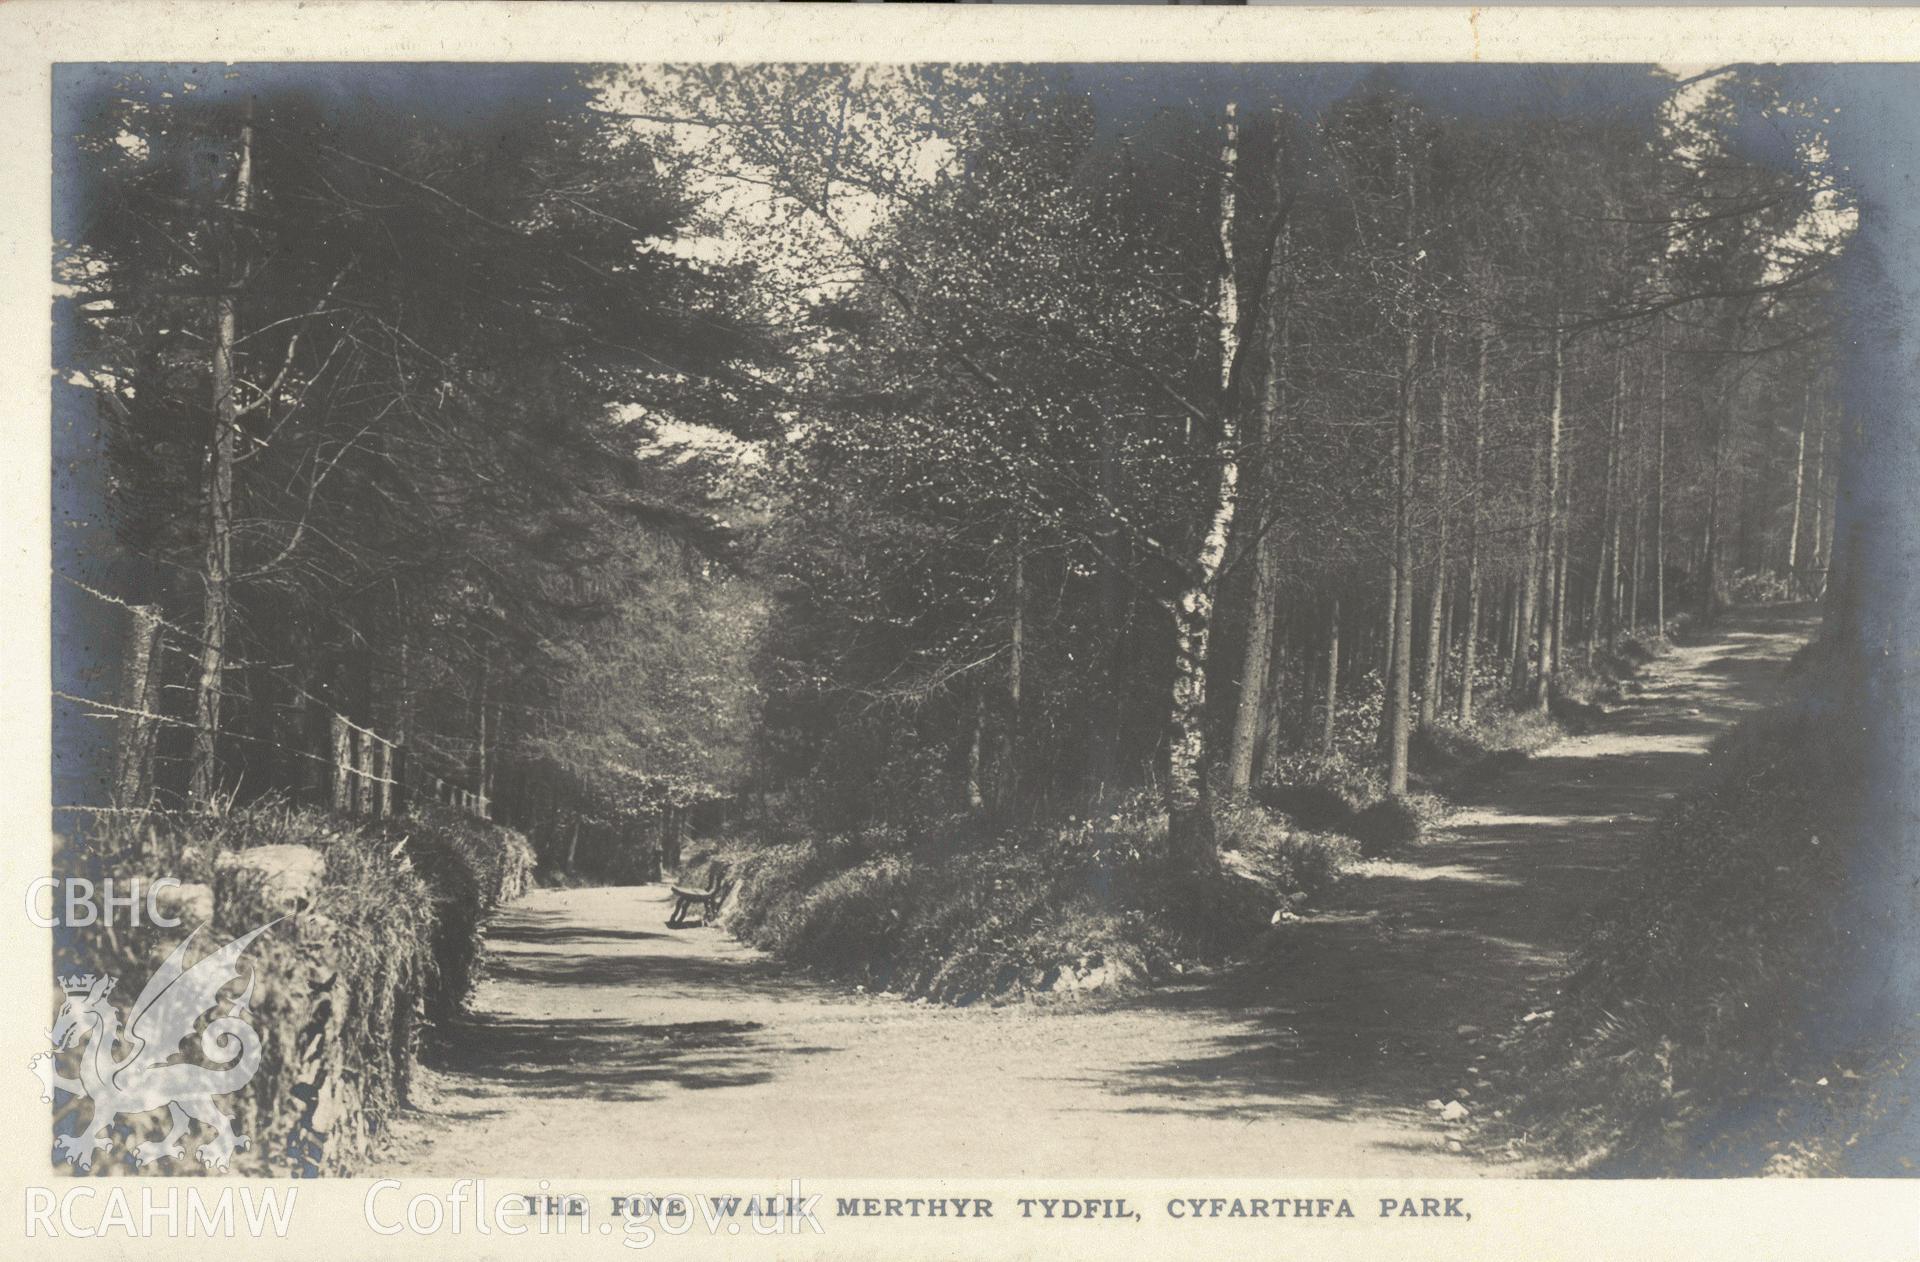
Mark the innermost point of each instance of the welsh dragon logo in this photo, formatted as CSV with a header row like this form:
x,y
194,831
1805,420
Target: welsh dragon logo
x,y
146,1076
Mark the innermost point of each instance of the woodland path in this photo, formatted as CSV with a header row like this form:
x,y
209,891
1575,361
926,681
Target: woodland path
x,y
603,1043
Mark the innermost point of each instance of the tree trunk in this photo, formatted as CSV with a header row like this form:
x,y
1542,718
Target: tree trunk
x,y
1560,593
1710,540
217,565
402,701
1608,495
481,768
1105,715
1189,795
1527,609
1554,570
1398,724
1799,487
1638,569
1660,496
1516,650
976,798
1437,600
1272,731
1017,639
1387,629
1618,460
1253,701
1333,676
1471,648
1398,717
1436,605
1007,792
1253,676
1816,551
1609,581
1743,539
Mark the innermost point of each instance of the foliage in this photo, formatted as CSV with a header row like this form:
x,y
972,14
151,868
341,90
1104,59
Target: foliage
x,y
1496,730
1296,864
1760,587
1704,1027
464,339
1342,794
1322,790
469,867
339,990
958,916
1396,821
624,437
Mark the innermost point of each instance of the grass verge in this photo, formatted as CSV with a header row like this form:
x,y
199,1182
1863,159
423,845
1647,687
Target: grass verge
x,y
956,916
378,936
1710,1025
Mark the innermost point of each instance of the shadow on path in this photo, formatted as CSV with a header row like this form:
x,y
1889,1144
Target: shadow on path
x,y
1372,1004
1314,1057
557,1014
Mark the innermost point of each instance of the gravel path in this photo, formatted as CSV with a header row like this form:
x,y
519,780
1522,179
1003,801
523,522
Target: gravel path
x,y
599,1028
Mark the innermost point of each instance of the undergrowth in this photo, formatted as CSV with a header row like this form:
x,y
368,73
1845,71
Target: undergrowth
x,y
386,942
955,914
958,916
1343,789
469,867
1695,1034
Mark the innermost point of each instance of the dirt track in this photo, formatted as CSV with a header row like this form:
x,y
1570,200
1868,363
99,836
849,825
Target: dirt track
x,y
598,1027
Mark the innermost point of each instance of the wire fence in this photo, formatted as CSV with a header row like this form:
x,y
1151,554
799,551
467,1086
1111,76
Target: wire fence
x,y
304,747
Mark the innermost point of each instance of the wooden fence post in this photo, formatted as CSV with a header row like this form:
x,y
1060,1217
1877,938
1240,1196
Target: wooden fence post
x,y
313,781
398,771
342,764
140,680
383,787
363,785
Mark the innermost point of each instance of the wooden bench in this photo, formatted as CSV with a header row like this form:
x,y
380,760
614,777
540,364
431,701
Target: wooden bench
x,y
707,898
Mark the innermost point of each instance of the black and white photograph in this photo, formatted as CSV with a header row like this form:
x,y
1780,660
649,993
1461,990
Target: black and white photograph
x,y
1118,645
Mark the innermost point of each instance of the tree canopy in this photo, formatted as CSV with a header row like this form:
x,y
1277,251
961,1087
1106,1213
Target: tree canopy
x,y
921,440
